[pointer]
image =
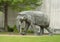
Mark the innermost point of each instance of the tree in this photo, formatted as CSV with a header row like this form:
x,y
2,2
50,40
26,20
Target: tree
x,y
19,5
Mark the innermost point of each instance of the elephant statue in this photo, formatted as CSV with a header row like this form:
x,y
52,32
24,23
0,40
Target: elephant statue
x,y
32,18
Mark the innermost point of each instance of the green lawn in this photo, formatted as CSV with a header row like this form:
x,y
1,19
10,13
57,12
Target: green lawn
x,y
54,38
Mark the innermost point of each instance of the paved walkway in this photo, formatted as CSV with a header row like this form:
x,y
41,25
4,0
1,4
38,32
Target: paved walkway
x,y
23,35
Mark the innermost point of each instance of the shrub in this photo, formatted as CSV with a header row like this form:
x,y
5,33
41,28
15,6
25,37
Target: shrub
x,y
15,29
30,31
10,29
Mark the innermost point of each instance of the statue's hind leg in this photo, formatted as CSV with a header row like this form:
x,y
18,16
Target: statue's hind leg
x,y
49,30
41,30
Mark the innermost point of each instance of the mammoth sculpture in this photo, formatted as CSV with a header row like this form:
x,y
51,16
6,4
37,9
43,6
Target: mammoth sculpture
x,y
34,18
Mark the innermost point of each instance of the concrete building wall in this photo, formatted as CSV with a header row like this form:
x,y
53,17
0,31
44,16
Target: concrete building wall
x,y
55,13
12,17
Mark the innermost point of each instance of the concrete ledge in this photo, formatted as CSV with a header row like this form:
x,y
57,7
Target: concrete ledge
x,y
56,31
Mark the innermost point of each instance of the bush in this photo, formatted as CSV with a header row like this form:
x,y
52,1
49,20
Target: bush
x,y
30,31
10,29
15,29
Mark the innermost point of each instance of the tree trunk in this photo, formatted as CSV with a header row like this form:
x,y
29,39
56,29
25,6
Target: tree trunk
x,y
5,16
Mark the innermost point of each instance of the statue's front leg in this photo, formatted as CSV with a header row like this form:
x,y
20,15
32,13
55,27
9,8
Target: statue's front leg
x,y
25,28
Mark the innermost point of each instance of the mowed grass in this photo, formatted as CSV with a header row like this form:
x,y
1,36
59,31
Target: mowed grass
x,y
54,38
